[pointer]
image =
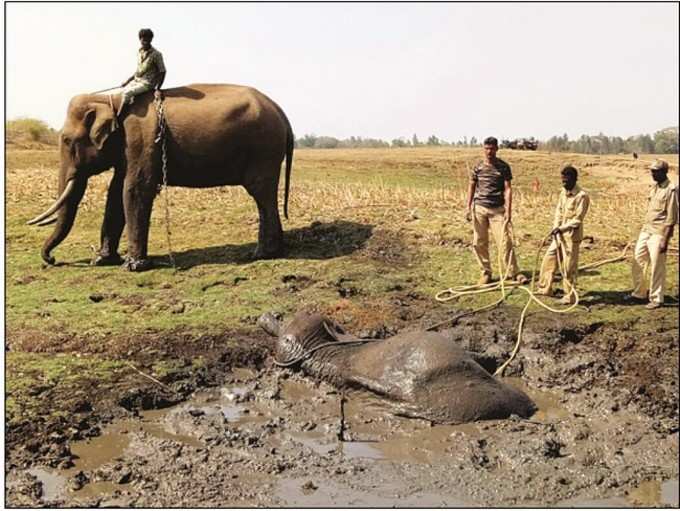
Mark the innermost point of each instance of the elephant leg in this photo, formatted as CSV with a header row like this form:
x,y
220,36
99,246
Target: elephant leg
x,y
139,191
114,221
270,234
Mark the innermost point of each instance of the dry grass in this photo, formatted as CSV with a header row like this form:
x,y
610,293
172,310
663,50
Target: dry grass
x,y
383,216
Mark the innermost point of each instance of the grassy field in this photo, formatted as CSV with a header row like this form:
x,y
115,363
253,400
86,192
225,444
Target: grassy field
x,y
366,227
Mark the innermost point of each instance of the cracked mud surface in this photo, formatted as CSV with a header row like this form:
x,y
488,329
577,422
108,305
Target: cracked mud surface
x,y
247,434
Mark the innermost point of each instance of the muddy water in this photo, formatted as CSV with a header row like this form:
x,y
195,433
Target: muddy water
x,y
550,407
295,495
311,414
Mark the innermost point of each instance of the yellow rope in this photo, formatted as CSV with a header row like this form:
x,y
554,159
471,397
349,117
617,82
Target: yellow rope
x,y
457,292
454,293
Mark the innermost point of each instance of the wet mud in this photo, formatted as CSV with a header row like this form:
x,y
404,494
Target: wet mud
x,y
605,435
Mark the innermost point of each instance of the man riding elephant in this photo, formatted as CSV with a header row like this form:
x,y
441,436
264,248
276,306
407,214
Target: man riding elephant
x,y
216,134
422,374
150,72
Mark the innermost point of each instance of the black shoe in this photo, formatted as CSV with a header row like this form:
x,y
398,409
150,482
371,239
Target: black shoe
x,y
631,298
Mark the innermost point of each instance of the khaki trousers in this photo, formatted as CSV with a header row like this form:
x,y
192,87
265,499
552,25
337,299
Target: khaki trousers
x,y
482,219
134,88
550,264
649,261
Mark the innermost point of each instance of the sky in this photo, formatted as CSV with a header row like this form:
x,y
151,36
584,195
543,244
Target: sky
x,y
371,70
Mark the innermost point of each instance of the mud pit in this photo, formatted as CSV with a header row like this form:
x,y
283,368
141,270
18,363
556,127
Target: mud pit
x,y
269,437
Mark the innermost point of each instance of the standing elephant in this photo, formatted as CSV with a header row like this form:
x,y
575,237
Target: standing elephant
x,y
421,373
216,135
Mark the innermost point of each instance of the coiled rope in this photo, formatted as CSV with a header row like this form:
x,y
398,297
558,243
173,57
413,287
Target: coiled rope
x,y
458,292
503,283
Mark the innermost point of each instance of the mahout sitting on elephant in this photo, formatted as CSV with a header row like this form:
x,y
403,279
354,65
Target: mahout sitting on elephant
x,y
216,135
423,374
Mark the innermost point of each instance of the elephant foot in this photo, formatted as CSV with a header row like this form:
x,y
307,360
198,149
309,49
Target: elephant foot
x,y
261,253
132,264
107,260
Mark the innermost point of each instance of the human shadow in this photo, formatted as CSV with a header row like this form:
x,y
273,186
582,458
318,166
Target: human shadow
x,y
183,92
316,241
620,298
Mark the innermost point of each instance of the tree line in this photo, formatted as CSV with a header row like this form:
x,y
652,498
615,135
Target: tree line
x,y
664,141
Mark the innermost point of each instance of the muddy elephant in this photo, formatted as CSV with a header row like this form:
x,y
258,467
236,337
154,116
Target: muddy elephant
x,y
421,373
216,135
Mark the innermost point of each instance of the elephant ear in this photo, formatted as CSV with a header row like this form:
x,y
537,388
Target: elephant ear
x,y
100,123
336,332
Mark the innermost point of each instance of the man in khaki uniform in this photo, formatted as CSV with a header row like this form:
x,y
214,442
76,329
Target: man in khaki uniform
x,y
571,209
489,205
650,250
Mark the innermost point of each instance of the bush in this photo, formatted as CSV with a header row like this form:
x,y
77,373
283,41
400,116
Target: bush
x,y
25,129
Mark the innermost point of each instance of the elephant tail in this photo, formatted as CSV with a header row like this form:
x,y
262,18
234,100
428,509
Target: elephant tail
x,y
290,146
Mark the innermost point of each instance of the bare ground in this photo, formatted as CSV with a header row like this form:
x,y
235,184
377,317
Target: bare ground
x,y
607,426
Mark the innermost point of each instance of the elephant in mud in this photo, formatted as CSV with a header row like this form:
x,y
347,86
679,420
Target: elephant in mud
x,y
422,374
215,135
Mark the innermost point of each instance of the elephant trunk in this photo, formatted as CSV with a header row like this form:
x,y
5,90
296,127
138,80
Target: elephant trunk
x,y
66,217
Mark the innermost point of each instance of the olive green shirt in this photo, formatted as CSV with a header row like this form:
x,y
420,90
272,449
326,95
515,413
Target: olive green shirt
x,y
571,209
489,182
149,66
662,209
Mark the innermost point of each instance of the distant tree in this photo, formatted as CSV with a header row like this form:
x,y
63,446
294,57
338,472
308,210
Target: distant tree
x,y
473,141
326,143
30,130
307,141
666,141
414,140
433,140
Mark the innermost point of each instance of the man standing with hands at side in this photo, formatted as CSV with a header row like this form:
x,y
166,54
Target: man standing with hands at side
x,y
652,244
489,205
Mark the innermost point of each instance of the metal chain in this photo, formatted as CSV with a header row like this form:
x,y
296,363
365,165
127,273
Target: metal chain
x,y
164,160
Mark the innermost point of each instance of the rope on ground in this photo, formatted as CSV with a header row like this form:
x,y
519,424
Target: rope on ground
x,y
151,378
457,292
454,293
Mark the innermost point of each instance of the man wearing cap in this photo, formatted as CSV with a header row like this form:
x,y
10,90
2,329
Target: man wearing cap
x,y
572,207
652,244
489,205
150,72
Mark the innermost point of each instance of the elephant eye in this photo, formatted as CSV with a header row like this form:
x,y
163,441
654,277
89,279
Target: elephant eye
x,y
67,141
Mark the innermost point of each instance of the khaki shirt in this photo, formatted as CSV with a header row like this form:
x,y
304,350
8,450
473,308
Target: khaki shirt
x,y
149,66
662,209
571,209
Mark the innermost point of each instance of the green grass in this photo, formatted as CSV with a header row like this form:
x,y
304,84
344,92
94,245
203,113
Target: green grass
x,y
378,222
415,197
33,376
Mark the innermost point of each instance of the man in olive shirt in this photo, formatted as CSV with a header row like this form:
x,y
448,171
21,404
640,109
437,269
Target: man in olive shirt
x,y
150,72
489,204
652,244
572,207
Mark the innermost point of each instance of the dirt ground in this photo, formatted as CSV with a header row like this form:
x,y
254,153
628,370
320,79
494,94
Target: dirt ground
x,y
240,432
158,389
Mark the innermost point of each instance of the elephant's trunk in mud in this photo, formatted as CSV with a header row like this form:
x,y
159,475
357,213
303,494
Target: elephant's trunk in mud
x,y
66,215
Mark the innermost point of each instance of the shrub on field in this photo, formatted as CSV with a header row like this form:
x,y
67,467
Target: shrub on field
x,y
26,130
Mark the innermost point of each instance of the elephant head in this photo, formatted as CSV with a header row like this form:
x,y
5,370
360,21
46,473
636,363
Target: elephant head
x,y
86,149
